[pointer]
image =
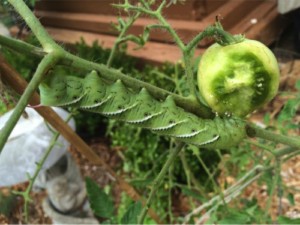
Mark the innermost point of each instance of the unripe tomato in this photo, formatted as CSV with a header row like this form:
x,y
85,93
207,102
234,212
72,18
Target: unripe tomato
x,y
238,78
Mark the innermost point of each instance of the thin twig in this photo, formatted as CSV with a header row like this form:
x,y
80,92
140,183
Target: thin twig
x,y
273,186
232,188
128,24
211,178
229,198
39,166
35,25
271,136
171,218
158,180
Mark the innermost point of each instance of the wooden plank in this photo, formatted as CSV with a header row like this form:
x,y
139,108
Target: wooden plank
x,y
153,52
253,18
190,10
232,11
268,29
102,24
211,6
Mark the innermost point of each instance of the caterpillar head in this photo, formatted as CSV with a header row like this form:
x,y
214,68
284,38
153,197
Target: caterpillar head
x,y
60,90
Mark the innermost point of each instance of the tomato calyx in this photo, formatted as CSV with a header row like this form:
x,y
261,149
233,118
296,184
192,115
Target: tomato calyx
x,y
223,38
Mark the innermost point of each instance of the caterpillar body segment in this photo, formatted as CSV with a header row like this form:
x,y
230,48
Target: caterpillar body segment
x,y
140,109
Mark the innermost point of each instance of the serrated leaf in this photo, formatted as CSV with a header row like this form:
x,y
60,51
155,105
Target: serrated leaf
x,y
290,197
131,216
292,126
101,204
251,210
235,218
146,34
287,220
289,110
189,192
142,183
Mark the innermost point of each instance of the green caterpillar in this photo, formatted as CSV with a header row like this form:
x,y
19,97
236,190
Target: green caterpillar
x,y
117,102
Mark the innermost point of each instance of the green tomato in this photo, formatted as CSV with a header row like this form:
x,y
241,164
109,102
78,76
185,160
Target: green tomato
x,y
238,78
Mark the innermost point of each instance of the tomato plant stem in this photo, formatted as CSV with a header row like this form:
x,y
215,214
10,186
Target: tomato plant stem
x,y
39,166
127,25
274,184
271,136
158,180
189,74
47,63
35,25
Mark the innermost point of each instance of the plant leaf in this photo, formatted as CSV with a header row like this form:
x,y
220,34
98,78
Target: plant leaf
x,y
235,218
289,110
290,197
101,204
191,193
131,216
287,220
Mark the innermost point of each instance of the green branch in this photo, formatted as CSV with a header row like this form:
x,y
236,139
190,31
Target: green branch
x,y
21,47
127,25
271,136
39,166
35,25
189,173
217,188
208,32
274,184
47,63
158,180
284,151
266,147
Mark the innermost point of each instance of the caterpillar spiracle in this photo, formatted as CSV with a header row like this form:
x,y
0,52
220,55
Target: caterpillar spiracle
x,y
140,109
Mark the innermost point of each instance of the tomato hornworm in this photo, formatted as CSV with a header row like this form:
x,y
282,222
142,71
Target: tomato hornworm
x,y
115,101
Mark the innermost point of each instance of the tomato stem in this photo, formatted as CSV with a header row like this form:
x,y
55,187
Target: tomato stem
x,y
271,136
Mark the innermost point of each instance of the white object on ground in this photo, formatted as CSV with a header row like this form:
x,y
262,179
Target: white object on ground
x,y
285,6
27,144
4,31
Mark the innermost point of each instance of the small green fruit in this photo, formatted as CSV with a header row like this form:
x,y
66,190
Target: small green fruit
x,y
238,78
